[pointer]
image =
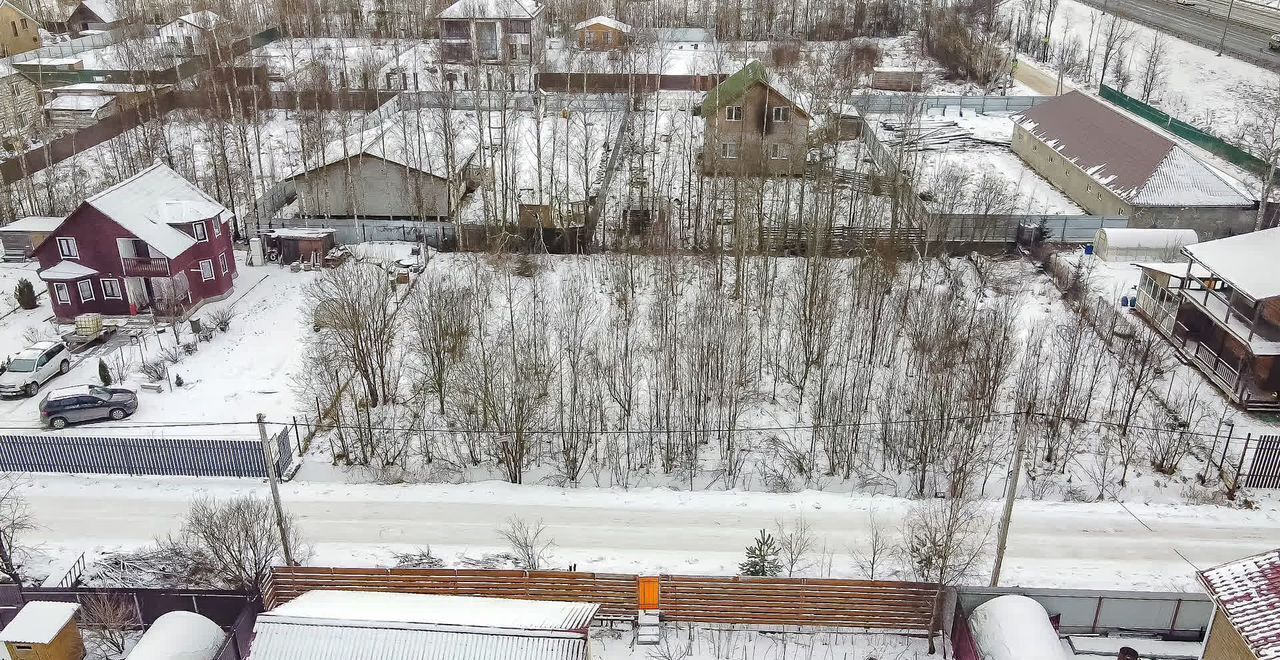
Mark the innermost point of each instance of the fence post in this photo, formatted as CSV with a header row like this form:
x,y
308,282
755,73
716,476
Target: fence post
x,y
296,436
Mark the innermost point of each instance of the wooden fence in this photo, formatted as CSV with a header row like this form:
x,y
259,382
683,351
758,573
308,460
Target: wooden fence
x,y
201,457
727,600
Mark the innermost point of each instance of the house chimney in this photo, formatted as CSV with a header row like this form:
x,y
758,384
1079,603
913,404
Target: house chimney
x,y
1127,653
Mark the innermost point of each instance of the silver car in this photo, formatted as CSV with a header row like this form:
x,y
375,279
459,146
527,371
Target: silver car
x,y
86,403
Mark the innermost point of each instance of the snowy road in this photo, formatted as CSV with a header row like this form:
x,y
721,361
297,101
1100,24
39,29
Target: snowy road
x,y
1052,544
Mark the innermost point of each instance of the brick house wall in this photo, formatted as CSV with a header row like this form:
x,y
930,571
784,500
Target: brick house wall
x,y
765,146
1224,643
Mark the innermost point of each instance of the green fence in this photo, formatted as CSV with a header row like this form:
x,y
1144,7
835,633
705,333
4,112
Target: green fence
x,y
1186,131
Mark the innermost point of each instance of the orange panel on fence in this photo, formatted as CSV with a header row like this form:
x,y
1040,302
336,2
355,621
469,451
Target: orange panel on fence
x,y
648,592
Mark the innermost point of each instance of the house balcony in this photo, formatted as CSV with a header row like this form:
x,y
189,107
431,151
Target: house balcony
x,y
1233,378
145,267
1261,337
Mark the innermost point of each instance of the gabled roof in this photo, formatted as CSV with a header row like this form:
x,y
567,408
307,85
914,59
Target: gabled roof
x,y
66,270
147,203
1247,591
409,139
38,622
1249,262
605,21
103,9
203,20
492,9
34,223
1138,164
18,8
735,86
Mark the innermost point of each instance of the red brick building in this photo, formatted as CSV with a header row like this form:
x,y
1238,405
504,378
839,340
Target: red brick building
x,y
152,242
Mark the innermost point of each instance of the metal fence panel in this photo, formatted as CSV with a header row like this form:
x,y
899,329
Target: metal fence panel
x,y
203,457
1092,612
899,103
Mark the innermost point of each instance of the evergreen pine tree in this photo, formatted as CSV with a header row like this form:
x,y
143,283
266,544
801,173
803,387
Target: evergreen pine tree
x,y
762,557
104,374
25,294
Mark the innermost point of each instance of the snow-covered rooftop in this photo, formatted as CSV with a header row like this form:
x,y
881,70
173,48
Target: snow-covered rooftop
x,y
1138,164
1248,593
180,636
412,139
1247,261
104,9
1131,238
605,21
492,9
203,20
34,223
441,611
66,270
1175,268
149,201
38,622
6,70
79,102
283,641
1014,627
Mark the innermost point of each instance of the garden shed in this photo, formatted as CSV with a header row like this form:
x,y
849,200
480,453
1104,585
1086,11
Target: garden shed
x,y
1128,244
301,243
20,238
44,630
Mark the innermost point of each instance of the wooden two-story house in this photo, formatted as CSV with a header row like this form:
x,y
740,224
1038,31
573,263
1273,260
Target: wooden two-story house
x,y
498,41
153,241
754,127
19,30
1227,321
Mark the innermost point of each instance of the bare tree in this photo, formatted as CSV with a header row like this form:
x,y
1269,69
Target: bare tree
x,y
107,619
355,306
529,542
796,542
233,543
1155,66
1262,135
15,521
870,559
944,541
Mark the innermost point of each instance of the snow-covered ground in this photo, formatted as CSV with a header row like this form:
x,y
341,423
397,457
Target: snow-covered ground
x,y
684,642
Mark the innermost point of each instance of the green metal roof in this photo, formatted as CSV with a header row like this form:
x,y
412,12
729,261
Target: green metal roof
x,y
734,87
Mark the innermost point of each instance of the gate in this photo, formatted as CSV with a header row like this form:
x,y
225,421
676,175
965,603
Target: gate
x,y
1264,469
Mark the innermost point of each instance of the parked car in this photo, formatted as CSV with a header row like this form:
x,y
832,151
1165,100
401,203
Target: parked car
x,y
34,366
86,403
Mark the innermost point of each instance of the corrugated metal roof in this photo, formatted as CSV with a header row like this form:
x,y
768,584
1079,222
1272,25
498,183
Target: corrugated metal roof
x,y
386,607
1247,261
1248,593
411,139
1132,160
284,641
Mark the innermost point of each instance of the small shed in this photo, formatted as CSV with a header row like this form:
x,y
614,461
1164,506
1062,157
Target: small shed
x,y
20,238
44,630
1127,244
301,243
602,33
180,636
1014,627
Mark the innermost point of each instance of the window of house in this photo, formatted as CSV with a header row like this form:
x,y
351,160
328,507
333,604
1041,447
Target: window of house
x,y
222,262
206,269
85,287
518,27
217,228
1088,187
733,113
111,289
728,149
1033,147
777,152
24,23
61,292
588,37
1052,160
198,230
16,89
67,248
782,113
14,24
1120,211
456,29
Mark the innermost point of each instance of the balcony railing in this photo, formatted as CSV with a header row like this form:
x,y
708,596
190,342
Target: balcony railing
x,y
145,267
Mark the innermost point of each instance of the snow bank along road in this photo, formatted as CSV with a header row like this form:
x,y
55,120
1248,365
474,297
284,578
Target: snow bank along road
x,y
1052,544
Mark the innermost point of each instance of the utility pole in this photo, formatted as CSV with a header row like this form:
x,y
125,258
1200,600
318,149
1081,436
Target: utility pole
x,y
268,455
1226,22
1011,492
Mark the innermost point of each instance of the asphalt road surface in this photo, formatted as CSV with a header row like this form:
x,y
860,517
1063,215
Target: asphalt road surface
x,y
1115,546
1248,31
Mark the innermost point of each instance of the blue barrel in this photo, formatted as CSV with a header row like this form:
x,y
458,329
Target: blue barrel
x,y
1124,301
1088,248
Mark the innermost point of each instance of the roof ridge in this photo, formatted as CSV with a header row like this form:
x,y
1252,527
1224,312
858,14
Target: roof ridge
x,y
122,183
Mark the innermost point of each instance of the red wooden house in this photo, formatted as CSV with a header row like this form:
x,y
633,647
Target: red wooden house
x,y
153,241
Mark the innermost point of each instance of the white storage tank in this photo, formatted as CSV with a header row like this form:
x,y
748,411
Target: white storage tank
x,y
180,636
1129,245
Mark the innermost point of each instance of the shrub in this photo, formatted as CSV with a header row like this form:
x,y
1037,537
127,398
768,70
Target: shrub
x,y
154,370
762,557
177,381
25,294
104,373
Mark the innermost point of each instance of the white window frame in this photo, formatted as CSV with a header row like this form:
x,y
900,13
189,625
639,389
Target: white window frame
x,y
65,242
776,152
727,147
80,287
61,293
106,294
199,232
222,262
206,275
731,111
781,113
